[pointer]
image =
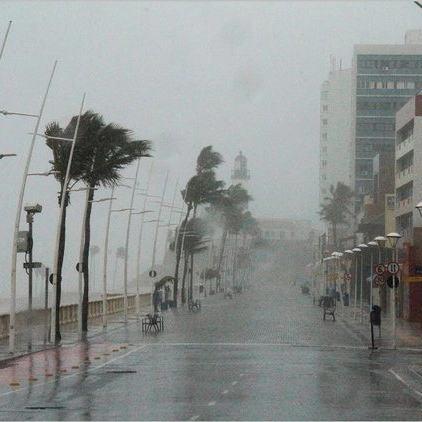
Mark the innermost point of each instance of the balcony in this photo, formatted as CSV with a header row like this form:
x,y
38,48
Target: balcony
x,y
405,176
404,147
405,206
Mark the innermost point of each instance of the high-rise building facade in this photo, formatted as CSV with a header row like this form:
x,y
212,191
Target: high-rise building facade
x,y
335,123
384,78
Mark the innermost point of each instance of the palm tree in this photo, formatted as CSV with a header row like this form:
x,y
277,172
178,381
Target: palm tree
x,y
336,207
61,151
106,149
230,206
199,190
192,242
101,151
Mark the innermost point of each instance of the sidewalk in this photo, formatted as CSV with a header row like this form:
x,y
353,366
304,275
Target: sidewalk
x,y
408,334
69,332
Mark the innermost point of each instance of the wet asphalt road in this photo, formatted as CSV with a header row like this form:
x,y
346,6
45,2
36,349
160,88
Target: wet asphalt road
x,y
264,355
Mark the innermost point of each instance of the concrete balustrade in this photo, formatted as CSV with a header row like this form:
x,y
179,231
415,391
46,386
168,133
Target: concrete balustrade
x,y
69,313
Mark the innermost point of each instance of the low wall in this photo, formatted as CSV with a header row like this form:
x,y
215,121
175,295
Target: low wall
x,y
69,313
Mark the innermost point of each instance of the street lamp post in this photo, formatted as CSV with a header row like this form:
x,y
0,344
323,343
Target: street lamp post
x,y
125,304
54,316
138,261
5,39
154,249
372,245
356,252
381,244
363,248
31,210
347,254
393,239
12,314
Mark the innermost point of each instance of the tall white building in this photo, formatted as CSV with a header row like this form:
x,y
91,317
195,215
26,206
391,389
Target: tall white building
x,y
408,158
335,126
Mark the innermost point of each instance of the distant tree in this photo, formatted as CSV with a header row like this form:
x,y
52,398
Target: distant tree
x,y
336,207
200,189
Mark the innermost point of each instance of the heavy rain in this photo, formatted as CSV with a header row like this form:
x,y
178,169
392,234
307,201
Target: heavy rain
x,y
211,210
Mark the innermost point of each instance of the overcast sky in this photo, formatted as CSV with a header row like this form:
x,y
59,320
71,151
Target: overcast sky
x,y
239,75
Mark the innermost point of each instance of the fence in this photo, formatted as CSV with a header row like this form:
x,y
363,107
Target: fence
x,y
69,313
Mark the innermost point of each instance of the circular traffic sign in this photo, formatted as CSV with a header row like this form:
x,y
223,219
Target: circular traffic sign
x,y
378,280
392,279
379,269
152,273
393,267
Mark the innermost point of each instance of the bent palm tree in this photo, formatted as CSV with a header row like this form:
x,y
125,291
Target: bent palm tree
x,y
61,152
104,151
199,190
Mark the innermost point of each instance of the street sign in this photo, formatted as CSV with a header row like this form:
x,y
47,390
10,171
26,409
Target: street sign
x,y
152,273
379,269
347,276
379,280
392,279
393,267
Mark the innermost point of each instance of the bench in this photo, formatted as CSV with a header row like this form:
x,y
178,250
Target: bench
x,y
149,321
194,304
329,306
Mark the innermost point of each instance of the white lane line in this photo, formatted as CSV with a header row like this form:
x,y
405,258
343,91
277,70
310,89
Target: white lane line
x,y
234,382
241,375
225,392
194,418
405,383
212,403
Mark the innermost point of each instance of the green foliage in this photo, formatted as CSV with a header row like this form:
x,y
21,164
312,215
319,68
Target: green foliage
x,y
336,208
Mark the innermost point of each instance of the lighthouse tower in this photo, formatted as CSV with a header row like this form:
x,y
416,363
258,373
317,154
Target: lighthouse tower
x,y
240,172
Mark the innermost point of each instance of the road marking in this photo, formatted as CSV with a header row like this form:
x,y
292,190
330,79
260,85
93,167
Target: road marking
x,y
405,383
212,403
225,392
194,418
76,373
286,344
234,382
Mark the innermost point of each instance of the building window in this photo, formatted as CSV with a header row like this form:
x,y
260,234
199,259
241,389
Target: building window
x,y
324,122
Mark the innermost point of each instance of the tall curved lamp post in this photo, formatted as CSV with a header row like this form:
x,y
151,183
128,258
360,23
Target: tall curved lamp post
x,y
125,272
38,116
5,39
54,315
356,252
393,239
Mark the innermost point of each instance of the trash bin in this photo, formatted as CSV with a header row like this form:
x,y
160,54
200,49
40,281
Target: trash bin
x,y
375,315
346,299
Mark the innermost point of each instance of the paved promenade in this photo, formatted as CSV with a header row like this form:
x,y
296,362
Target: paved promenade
x,y
408,334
